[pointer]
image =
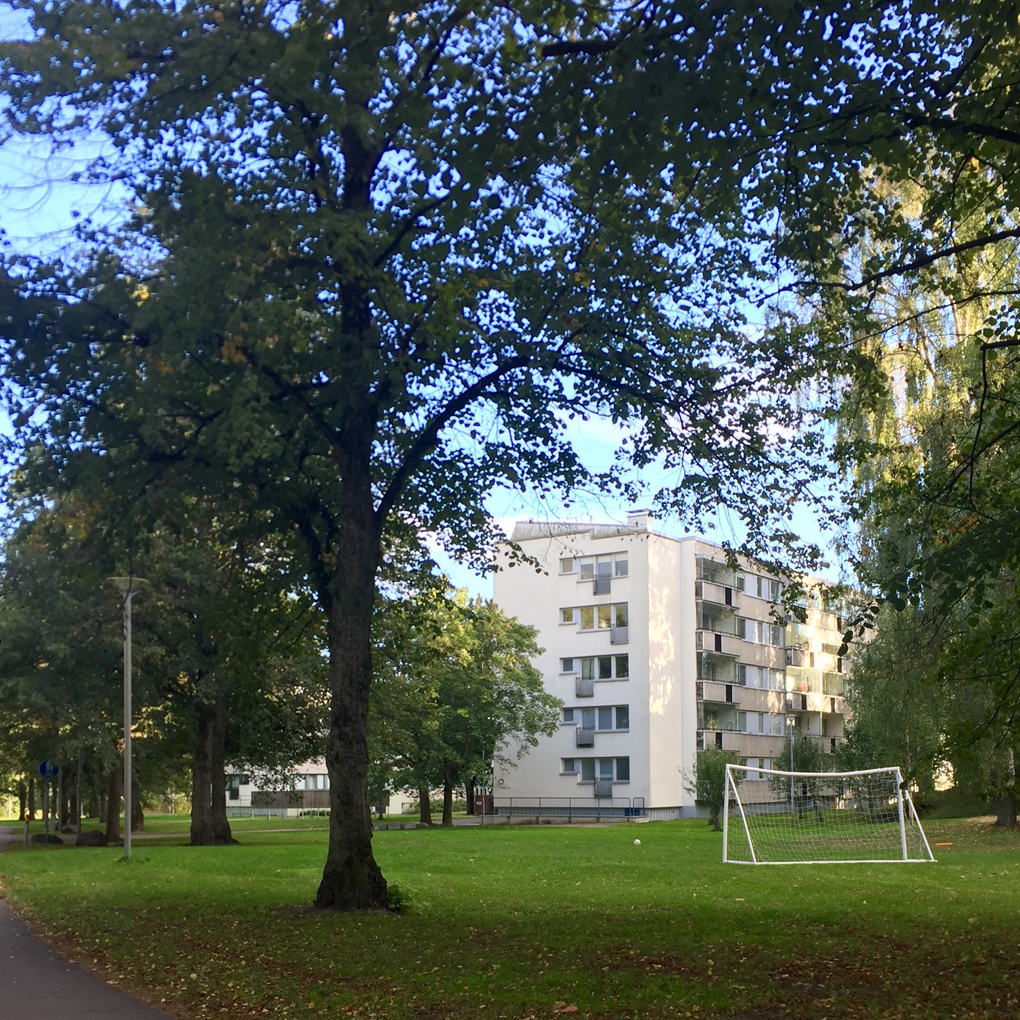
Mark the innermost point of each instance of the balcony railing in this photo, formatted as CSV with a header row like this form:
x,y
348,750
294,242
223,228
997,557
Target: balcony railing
x,y
584,686
603,788
585,736
718,594
602,586
583,809
619,635
833,684
720,623
723,671
724,644
277,799
716,572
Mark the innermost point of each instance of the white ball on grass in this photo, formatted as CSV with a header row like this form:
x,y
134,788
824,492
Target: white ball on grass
x,y
637,842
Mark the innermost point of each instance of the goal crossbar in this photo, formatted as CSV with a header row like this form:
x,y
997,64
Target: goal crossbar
x,y
786,817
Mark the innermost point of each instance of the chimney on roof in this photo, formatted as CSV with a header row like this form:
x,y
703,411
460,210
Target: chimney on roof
x,y
639,520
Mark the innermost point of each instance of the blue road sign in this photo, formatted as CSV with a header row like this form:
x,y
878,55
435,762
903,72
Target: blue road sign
x,y
48,769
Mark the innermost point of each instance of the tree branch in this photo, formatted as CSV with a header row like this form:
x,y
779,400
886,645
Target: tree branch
x,y
430,434
918,263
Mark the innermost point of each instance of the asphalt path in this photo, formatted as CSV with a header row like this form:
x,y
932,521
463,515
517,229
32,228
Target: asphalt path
x,y
36,981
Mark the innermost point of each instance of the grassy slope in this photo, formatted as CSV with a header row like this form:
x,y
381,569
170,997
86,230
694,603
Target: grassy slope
x,y
521,922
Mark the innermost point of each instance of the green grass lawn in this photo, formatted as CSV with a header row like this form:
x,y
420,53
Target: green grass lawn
x,y
522,922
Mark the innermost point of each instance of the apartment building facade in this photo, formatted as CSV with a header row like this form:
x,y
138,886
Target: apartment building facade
x,y
659,647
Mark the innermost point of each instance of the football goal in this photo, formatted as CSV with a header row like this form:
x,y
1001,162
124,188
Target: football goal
x,y
775,817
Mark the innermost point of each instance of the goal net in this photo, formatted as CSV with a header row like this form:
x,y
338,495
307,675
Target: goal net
x,y
775,817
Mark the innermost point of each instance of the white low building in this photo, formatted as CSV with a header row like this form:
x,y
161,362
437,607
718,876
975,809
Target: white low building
x,y
306,790
657,647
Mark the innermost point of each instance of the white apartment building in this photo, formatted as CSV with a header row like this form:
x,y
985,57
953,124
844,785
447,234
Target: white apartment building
x,y
657,648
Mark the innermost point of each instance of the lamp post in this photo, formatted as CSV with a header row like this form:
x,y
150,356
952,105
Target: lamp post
x,y
129,587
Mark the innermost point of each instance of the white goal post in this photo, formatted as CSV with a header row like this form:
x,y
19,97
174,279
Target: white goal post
x,y
776,817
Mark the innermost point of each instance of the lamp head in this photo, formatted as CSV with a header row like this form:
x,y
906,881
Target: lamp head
x,y
128,585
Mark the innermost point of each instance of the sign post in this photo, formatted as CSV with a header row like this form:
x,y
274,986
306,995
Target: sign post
x,y
49,770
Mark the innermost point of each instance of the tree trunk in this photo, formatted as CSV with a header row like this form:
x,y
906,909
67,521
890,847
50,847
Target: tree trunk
x,y
22,801
137,814
469,796
113,807
218,774
201,776
31,798
1006,813
351,879
66,810
424,806
447,800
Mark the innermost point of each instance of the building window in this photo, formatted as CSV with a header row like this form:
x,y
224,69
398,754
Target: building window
x,y
617,769
614,565
597,617
605,718
756,763
761,677
567,565
760,587
762,633
570,765
599,667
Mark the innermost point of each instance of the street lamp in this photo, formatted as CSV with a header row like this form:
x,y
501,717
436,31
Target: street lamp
x,y
129,588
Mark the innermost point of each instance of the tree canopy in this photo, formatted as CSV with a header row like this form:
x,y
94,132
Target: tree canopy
x,y
454,691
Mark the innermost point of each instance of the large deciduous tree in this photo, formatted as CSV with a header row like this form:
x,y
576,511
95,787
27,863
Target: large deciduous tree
x,y
380,259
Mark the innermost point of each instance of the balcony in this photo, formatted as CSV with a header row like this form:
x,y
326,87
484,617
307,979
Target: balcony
x,y
803,680
721,670
722,644
584,687
714,693
619,635
603,788
721,621
796,703
797,657
716,594
834,684
718,715
601,586
585,736
718,573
